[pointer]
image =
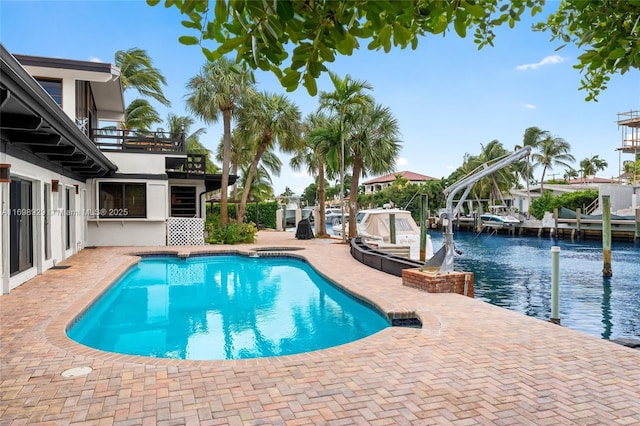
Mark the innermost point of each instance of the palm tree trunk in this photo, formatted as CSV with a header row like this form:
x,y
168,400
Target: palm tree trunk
x,y
226,157
322,221
250,175
234,190
353,193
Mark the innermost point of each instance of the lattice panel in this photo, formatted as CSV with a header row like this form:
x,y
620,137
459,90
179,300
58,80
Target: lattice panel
x,y
185,231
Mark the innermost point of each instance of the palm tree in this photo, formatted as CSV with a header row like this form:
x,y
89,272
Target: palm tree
x,y
182,125
219,89
137,72
319,133
261,185
570,173
347,95
591,166
502,180
269,120
374,145
139,116
552,151
533,137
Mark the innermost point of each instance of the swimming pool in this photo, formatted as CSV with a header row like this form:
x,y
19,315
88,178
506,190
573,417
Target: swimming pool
x,y
223,307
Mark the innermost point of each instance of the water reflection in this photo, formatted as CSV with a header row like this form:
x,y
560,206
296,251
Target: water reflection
x,y
606,308
224,307
515,273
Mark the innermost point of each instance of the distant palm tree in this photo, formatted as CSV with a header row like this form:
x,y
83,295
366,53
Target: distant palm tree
x,y
374,143
137,72
269,120
219,89
570,173
499,182
591,166
552,151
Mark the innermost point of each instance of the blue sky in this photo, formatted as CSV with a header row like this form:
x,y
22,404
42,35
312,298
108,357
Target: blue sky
x,y
448,97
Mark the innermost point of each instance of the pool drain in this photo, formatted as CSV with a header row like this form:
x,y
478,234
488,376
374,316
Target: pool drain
x,y
76,371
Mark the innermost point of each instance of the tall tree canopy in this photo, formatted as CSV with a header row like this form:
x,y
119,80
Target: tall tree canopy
x,y
607,30
219,90
261,33
137,72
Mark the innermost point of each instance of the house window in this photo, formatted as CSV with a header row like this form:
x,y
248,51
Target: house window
x,y
85,108
53,87
123,200
183,201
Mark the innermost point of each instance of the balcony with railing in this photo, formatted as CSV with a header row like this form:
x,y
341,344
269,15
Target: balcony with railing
x,y
193,165
114,140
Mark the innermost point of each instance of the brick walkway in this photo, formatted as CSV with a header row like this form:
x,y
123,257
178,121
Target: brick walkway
x,y
471,363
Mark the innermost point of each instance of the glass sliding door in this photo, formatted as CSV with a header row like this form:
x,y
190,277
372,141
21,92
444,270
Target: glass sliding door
x,y
47,221
20,226
67,210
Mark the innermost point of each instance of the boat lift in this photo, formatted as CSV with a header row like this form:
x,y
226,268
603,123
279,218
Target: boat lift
x,y
442,260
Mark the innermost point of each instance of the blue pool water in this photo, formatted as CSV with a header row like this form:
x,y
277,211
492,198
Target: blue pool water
x,y
515,273
223,307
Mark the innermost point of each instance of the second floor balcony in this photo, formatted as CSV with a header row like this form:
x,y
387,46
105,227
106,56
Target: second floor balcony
x,y
138,141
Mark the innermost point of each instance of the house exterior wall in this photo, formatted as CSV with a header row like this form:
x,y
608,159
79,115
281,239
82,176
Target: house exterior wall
x,y
621,196
138,163
149,231
57,216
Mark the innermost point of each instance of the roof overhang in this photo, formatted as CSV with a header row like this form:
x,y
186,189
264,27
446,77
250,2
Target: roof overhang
x,y
104,78
214,182
34,127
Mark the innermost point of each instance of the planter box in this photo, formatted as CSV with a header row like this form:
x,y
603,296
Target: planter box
x,y
451,282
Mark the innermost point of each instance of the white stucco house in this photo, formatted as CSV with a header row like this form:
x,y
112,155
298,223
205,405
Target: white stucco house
x,y
381,182
66,184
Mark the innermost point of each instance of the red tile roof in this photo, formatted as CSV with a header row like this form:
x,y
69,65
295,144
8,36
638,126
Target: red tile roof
x,y
411,176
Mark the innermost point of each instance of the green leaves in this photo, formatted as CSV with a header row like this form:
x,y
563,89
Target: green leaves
x,y
607,32
188,40
261,33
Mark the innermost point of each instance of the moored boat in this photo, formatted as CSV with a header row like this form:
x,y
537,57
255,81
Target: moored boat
x,y
498,217
373,225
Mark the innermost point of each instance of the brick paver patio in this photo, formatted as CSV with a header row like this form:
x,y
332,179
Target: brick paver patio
x,y
471,363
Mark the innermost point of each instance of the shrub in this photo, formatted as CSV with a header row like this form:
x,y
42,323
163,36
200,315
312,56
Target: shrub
x,y
233,233
266,213
572,201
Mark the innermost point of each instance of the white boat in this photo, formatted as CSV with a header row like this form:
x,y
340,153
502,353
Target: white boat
x,y
373,226
499,217
333,216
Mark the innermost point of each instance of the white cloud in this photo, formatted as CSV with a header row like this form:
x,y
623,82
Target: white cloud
x,y
548,60
94,59
402,161
530,106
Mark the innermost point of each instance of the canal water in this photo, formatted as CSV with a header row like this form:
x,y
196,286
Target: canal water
x,y
515,273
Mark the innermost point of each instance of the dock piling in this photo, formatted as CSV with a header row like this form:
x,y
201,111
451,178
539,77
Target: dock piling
x,y
555,284
606,236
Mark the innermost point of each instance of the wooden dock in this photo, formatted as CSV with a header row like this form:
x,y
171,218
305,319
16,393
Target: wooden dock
x,y
588,229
